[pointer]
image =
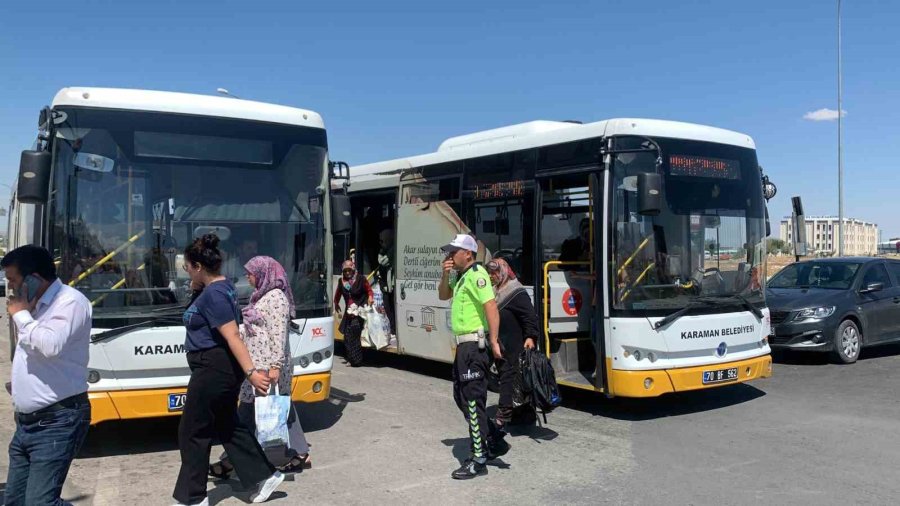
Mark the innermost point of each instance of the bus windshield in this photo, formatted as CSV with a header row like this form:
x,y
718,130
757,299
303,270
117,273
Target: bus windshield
x,y
132,189
708,239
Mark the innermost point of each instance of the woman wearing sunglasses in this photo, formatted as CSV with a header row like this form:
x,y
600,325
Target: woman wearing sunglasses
x,y
354,290
518,331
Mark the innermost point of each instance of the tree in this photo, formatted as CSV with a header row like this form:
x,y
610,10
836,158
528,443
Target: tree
x,y
774,246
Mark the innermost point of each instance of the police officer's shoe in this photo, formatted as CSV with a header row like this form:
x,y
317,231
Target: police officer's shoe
x,y
497,448
470,469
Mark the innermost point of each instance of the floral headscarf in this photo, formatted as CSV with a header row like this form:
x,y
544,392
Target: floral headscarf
x,y
270,276
348,283
508,284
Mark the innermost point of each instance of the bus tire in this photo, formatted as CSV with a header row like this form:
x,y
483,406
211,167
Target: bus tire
x,y
353,348
847,342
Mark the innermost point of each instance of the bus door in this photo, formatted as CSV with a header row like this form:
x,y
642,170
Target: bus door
x,y
570,239
428,217
374,241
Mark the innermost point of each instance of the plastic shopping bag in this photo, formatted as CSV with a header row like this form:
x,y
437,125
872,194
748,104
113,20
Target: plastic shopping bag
x,y
374,330
379,304
271,419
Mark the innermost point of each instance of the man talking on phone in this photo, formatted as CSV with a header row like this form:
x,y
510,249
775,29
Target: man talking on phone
x,y
49,377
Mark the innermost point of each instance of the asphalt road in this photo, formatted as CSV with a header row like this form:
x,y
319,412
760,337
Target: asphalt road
x,y
815,433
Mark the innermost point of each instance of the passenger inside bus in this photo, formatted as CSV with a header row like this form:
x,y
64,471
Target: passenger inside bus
x,y
578,248
386,274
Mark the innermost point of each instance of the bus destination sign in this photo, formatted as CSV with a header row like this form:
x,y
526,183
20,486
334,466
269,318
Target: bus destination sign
x,y
500,190
701,166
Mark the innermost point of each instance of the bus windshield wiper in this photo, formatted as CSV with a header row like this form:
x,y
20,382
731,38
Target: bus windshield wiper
x,y
746,303
694,304
152,322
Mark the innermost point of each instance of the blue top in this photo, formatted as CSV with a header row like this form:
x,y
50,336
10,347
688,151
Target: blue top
x,y
214,307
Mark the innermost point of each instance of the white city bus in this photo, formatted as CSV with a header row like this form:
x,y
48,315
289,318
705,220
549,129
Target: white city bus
x,y
642,242
120,181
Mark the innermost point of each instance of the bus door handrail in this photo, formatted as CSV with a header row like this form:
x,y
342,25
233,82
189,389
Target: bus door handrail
x,y
114,287
107,258
547,266
630,259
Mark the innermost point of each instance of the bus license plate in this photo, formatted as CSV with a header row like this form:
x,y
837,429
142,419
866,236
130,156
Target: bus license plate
x,y
176,402
720,376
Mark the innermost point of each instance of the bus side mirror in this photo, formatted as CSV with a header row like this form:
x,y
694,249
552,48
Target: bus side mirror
x,y
649,194
341,220
33,186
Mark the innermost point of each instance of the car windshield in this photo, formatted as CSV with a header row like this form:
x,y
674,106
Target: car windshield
x,y
831,275
707,240
132,189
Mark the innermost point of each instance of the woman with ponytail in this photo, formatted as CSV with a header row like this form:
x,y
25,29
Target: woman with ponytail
x,y
219,363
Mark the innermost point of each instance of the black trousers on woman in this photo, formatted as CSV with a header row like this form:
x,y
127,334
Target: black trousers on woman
x,y
210,410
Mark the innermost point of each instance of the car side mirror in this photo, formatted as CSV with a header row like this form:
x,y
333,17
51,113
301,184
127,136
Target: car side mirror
x,y
872,287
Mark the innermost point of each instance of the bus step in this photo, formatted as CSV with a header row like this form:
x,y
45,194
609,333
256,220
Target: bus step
x,y
566,354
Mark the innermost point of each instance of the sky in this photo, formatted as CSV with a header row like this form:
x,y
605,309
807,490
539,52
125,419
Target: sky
x,y
394,79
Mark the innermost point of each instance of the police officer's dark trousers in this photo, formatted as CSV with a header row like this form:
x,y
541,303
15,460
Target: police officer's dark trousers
x,y
470,393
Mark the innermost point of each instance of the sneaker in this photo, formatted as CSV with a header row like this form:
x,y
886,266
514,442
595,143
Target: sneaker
x,y
204,502
470,469
266,488
497,448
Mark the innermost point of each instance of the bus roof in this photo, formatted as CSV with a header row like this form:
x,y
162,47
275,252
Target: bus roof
x,y
545,133
186,103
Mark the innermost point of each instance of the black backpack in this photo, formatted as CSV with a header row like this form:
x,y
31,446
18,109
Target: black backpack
x,y
540,382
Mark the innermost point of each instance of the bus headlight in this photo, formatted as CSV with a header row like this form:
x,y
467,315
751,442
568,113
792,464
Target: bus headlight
x,y
648,383
651,356
304,361
327,353
93,376
317,387
317,357
637,355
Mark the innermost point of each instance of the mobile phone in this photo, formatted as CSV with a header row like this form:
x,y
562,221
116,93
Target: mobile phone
x,y
31,284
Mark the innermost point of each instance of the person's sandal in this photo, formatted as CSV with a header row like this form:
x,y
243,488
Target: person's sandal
x,y
297,464
220,470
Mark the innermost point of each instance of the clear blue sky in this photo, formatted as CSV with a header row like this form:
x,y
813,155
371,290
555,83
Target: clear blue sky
x,y
396,78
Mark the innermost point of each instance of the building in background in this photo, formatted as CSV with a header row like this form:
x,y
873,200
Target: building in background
x,y
860,237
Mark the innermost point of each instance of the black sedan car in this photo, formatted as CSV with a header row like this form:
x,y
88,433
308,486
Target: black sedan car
x,y
835,304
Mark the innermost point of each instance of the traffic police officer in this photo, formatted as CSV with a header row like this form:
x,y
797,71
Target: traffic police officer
x,y
472,311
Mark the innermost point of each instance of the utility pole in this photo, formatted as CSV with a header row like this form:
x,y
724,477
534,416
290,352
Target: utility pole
x,y
840,145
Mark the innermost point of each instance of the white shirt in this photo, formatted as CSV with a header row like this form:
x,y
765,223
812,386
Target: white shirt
x,y
51,357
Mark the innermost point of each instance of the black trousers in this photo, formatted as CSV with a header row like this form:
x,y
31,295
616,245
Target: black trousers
x,y
470,368
210,410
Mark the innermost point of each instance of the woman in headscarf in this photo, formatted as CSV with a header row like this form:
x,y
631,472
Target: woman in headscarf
x,y
355,291
518,331
265,332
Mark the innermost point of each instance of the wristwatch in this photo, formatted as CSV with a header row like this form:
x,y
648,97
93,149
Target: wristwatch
x,y
251,371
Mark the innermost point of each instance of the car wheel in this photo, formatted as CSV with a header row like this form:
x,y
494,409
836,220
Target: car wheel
x,y
847,342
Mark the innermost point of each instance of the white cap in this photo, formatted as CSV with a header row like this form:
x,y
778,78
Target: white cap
x,y
461,241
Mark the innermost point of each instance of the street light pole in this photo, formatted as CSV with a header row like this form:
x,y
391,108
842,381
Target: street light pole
x,y
840,145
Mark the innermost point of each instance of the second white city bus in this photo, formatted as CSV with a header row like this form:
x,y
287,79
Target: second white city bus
x,y
642,241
